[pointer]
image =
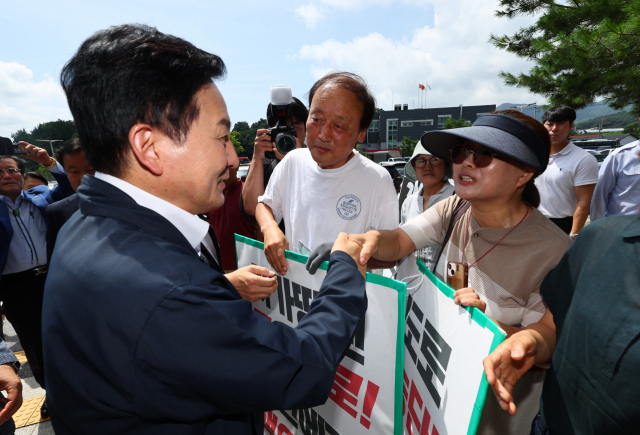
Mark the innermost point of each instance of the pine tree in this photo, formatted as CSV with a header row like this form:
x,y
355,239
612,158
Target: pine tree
x,y
583,49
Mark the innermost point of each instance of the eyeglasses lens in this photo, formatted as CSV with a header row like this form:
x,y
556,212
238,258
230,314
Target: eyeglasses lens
x,y
9,171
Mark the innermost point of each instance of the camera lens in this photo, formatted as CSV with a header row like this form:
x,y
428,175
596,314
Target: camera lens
x,y
285,143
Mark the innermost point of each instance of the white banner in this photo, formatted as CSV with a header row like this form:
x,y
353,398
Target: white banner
x,y
445,344
366,398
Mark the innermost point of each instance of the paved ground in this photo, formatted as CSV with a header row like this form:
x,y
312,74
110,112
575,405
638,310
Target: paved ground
x,y
30,387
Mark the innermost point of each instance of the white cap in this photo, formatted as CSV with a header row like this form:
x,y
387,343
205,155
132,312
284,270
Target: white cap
x,y
281,95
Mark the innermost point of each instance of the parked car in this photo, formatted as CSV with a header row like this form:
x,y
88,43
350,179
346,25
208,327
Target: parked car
x,y
396,159
392,168
243,170
605,152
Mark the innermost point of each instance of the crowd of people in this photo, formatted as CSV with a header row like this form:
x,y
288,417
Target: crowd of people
x,y
122,284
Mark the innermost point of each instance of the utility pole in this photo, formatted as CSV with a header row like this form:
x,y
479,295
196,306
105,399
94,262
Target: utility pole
x,y
50,143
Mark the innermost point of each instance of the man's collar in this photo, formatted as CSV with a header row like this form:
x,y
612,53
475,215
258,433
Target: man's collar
x,y
566,150
632,230
192,228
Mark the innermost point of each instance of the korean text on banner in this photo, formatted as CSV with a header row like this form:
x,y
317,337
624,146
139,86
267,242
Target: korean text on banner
x,y
444,383
366,398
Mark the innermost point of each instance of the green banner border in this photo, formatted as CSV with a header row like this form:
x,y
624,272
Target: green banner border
x,y
484,321
400,287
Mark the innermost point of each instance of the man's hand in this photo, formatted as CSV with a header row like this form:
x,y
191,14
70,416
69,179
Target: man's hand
x,y
506,365
469,298
369,244
253,282
37,154
261,144
351,248
275,244
10,382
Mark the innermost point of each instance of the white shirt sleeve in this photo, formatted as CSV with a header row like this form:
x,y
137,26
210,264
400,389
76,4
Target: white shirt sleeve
x,y
606,183
272,196
387,210
586,171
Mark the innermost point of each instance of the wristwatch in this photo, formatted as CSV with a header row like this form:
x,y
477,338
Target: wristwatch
x,y
573,235
52,164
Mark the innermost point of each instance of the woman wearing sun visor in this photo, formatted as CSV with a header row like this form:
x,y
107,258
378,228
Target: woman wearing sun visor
x,y
506,245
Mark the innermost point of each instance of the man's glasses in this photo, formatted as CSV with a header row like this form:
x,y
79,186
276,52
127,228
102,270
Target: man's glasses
x,y
9,171
433,161
481,157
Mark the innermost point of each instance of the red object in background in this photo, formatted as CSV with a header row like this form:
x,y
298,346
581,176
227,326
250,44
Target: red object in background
x,y
228,220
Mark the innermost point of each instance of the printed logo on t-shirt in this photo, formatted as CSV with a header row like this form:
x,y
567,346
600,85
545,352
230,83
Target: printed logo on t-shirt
x,y
349,207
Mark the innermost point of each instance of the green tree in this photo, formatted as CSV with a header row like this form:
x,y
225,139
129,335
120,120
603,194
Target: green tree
x,y
583,49
455,123
235,140
360,150
407,146
633,128
53,130
246,136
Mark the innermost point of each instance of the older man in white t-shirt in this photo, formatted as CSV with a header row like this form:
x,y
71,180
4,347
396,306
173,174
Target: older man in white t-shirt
x,y
328,188
566,186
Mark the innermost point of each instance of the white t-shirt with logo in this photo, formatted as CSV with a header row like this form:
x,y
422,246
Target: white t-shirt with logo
x,y
317,204
567,169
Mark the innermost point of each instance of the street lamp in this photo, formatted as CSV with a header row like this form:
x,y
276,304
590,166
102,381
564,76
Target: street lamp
x,y
50,143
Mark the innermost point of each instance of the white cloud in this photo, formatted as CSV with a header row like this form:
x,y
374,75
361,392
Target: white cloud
x,y
25,103
453,56
310,14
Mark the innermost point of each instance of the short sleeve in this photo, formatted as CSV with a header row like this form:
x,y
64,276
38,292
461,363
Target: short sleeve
x,y
272,196
387,210
586,171
426,229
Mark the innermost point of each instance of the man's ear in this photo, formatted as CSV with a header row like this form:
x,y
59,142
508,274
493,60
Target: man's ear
x,y
362,135
143,138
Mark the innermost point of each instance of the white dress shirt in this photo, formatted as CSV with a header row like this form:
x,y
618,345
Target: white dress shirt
x,y
194,229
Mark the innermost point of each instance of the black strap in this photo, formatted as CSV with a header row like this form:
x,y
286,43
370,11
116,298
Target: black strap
x,y
458,212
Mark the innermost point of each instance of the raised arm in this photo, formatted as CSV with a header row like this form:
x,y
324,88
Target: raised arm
x,y
254,184
383,245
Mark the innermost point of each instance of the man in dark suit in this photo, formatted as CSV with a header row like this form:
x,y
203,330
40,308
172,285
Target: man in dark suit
x,y
141,335
71,157
23,256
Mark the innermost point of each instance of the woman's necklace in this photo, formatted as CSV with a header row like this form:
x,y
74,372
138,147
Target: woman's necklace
x,y
464,245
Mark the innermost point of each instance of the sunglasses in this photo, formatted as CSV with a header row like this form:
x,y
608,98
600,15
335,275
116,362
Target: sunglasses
x,y
481,157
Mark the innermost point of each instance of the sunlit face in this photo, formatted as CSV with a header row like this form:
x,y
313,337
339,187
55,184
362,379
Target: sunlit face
x,y
76,166
430,175
558,131
498,181
10,184
32,182
199,166
333,127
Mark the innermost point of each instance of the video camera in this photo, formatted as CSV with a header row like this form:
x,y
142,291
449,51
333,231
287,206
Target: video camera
x,y
8,148
283,135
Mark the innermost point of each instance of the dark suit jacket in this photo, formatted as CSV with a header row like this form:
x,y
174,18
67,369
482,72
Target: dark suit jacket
x,y
141,337
57,215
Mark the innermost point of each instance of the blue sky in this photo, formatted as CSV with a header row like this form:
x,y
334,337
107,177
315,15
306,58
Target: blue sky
x,y
393,44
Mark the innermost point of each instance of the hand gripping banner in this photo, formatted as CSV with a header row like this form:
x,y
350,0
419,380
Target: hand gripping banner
x,y
366,398
444,383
